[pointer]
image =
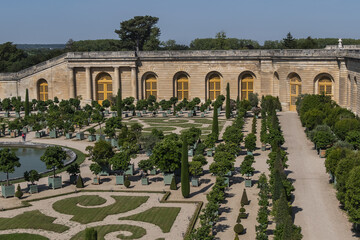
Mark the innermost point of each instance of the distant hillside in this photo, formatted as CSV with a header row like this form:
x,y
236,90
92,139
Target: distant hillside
x,y
40,46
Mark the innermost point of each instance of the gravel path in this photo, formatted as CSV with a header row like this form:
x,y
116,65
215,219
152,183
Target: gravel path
x,y
315,206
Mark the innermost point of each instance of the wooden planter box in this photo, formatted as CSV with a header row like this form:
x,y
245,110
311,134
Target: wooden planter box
x,y
114,114
130,170
104,172
263,147
55,183
17,115
148,153
248,183
13,134
164,114
73,179
68,135
80,135
96,180
190,114
138,114
33,188
195,182
249,153
209,153
227,181
153,172
25,130
114,142
190,152
7,191
108,140
7,114
119,179
100,137
38,135
228,174
53,134
106,111
91,138
167,178
322,152
144,181
202,115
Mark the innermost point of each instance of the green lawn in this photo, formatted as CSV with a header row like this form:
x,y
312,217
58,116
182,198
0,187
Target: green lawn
x,y
137,232
162,128
88,215
163,217
22,236
32,220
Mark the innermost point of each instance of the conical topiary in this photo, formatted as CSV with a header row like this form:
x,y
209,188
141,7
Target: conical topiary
x,y
244,198
79,182
173,184
18,192
236,236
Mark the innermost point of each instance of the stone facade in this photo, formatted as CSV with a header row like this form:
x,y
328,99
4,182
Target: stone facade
x,y
75,74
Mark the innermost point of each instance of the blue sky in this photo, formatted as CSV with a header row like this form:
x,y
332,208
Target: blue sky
x,y
56,21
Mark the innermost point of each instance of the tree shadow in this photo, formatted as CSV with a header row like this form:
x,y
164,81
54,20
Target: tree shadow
x,y
221,228
294,211
237,179
224,210
204,189
86,179
156,179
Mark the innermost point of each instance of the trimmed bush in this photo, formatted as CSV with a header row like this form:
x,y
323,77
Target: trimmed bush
x,y
90,234
79,182
238,228
127,183
173,184
18,192
238,220
244,198
242,210
236,237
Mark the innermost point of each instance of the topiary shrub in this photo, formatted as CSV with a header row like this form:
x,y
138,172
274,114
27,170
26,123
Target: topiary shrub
x,y
242,213
18,192
238,220
244,198
127,183
242,210
173,184
238,228
236,237
90,234
79,182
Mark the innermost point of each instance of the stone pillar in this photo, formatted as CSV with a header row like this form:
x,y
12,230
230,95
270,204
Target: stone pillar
x,y
88,83
72,93
133,83
116,82
340,87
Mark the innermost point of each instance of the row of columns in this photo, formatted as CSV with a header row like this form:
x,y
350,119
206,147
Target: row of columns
x,y
91,83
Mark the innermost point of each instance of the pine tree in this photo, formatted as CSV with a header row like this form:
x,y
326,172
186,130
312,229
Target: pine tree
x,y
289,41
185,183
119,104
215,126
228,110
27,104
244,198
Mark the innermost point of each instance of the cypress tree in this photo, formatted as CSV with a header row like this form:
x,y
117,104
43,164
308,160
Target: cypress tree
x,y
27,104
185,183
228,110
215,126
119,104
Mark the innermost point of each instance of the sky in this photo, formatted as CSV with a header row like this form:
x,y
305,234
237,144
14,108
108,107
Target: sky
x,y
56,21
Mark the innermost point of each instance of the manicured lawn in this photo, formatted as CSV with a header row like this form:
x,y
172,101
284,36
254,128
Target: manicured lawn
x,y
32,220
164,129
163,217
22,236
137,232
88,215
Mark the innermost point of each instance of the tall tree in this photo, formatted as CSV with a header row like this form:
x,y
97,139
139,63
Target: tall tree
x,y
27,104
119,104
185,184
54,157
215,125
136,32
289,41
8,162
227,107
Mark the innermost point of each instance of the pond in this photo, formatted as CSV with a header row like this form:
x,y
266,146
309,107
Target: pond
x,y
29,159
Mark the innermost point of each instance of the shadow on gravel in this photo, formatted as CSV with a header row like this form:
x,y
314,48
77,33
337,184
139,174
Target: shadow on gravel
x,y
295,210
86,179
237,180
221,228
204,189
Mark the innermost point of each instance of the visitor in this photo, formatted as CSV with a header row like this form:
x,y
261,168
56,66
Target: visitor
x,y
23,137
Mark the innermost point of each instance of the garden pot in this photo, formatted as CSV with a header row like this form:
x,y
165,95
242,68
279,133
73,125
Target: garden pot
x,y
153,172
114,142
144,111
190,114
7,114
219,110
38,134
53,134
322,152
114,114
17,115
190,152
227,181
144,181
106,111
119,179
91,138
202,115
209,153
8,191
167,178
80,136
73,179
138,114
33,188
68,135
248,183
177,115
168,111
55,183
100,137
249,153
12,134
130,170
164,114
263,147
96,180
195,182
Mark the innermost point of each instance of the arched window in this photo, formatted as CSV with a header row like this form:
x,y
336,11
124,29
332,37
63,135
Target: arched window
x,y
247,86
214,86
182,84
150,86
43,90
295,91
103,87
325,86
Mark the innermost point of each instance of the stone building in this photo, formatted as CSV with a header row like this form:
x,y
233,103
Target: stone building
x,y
203,74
